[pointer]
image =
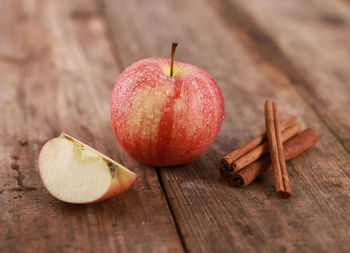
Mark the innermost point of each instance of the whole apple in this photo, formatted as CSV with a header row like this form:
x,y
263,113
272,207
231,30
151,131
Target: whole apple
x,y
164,120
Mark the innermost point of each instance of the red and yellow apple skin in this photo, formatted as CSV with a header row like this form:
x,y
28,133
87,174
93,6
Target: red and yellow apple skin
x,y
162,120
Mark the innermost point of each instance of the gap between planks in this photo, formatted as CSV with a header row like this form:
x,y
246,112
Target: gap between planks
x,y
261,45
177,226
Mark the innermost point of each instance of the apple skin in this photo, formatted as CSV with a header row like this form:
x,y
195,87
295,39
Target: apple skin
x,y
162,120
119,185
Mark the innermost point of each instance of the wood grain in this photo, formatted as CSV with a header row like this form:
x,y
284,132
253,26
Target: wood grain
x,y
56,74
305,41
211,216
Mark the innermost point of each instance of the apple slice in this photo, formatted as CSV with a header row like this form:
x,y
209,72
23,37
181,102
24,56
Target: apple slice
x,y
76,173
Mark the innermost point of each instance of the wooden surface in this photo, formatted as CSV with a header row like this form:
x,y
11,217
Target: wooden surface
x,y
58,64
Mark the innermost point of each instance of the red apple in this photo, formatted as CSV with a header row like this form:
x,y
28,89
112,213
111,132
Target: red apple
x,y
164,120
76,173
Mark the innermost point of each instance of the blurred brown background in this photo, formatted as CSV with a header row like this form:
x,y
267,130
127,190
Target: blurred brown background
x,y
58,64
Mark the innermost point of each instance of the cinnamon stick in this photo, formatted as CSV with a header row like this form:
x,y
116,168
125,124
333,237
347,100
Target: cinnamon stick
x,y
262,149
291,148
274,139
228,160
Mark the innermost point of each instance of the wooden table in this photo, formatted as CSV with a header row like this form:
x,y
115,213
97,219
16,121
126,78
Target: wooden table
x,y
58,64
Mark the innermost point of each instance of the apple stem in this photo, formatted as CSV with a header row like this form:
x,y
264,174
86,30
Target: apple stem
x,y
173,48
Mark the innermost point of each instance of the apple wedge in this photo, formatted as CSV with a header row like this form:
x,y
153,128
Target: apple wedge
x,y
76,173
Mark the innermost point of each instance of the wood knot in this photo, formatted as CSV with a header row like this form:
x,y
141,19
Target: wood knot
x,y
23,142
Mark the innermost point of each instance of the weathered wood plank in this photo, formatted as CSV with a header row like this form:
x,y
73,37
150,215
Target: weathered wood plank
x,y
213,217
308,42
57,74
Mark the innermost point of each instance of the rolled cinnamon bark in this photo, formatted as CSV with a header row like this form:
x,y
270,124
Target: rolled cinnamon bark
x,y
227,163
292,148
274,139
263,149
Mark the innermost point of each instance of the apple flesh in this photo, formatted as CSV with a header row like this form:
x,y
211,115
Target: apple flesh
x,y
76,173
164,120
